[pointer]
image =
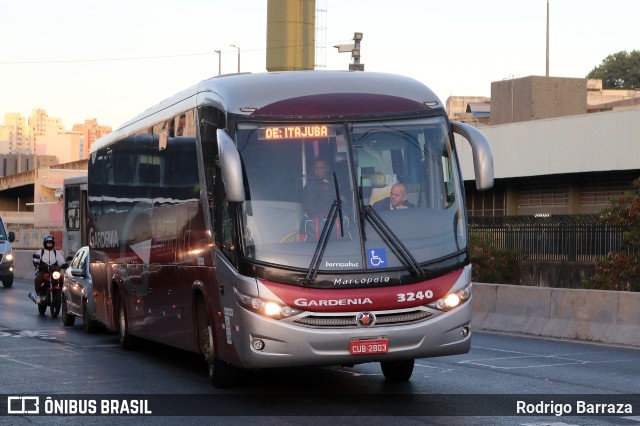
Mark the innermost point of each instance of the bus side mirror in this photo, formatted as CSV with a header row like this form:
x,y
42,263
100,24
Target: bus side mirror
x,y
12,236
482,156
231,167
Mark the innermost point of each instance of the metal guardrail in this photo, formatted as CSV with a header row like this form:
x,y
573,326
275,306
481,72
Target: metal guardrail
x,y
576,238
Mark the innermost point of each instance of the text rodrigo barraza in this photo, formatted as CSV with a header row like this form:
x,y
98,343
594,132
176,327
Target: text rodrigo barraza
x,y
580,407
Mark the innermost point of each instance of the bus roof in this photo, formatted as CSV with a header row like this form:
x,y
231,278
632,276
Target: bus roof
x,y
243,94
74,180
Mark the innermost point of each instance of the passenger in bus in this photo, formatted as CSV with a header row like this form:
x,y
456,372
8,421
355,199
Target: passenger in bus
x,y
169,126
396,200
182,122
318,194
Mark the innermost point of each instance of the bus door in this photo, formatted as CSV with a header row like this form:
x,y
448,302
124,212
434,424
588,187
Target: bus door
x,y
75,216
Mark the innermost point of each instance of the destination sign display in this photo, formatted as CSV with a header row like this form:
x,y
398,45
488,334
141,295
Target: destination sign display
x,y
296,132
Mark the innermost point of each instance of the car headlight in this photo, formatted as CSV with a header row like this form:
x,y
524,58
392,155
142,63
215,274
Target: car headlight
x,y
264,307
452,300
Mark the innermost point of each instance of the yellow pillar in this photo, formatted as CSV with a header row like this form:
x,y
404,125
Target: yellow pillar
x,y
290,35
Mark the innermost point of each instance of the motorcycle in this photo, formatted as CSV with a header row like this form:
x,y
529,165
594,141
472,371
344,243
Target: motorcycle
x,y
50,292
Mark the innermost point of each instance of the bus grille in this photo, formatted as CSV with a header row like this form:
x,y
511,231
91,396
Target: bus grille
x,y
350,320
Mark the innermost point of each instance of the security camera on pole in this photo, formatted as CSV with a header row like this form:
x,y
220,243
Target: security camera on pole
x,y
355,52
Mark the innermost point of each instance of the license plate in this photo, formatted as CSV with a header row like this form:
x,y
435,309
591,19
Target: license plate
x,y
365,347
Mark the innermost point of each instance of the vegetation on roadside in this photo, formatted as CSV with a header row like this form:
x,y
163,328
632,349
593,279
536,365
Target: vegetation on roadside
x,y
621,270
491,264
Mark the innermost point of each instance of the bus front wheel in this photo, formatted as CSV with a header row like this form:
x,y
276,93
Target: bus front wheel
x,y
221,374
397,371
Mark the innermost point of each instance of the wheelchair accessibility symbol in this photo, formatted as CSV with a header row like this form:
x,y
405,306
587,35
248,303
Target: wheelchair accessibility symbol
x,y
377,258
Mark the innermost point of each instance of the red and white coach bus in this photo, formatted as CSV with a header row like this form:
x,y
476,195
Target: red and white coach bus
x,y
199,238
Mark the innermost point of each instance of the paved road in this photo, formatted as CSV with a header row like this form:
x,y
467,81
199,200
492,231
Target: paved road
x,y
39,356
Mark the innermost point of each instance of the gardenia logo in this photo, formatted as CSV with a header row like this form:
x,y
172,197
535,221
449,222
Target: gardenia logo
x,y
348,264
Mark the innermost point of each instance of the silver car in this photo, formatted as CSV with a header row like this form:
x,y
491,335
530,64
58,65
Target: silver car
x,y
77,292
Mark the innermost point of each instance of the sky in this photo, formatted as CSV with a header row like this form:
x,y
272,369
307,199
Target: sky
x,y
110,60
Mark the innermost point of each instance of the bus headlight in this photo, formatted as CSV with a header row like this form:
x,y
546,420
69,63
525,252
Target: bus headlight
x,y
272,309
452,299
264,307
8,257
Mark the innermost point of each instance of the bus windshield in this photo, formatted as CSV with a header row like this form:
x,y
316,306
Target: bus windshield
x,y
394,188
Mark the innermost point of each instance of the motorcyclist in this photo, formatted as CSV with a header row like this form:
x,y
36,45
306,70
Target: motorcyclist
x,y
48,256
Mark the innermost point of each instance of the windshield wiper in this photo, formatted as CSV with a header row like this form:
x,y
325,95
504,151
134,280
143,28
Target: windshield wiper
x,y
391,239
334,212
338,202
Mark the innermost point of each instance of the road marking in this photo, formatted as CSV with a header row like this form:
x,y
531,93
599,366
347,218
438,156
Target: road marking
x,y
568,359
441,369
351,372
497,367
39,334
21,362
109,345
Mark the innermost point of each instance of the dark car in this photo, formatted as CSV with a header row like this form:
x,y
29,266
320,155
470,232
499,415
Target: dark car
x,y
77,292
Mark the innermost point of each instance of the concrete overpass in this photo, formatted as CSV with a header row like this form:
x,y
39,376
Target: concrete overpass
x,y
29,204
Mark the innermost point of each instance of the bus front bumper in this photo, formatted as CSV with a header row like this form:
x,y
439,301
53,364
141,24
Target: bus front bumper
x,y
285,344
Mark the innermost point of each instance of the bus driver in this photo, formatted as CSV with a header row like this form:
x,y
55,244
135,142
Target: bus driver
x,y
396,200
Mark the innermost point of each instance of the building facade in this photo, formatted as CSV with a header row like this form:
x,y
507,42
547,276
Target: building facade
x,y
536,98
469,109
15,136
89,131
28,143
564,165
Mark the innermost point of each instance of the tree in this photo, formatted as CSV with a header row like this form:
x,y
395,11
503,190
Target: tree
x,y
619,71
621,270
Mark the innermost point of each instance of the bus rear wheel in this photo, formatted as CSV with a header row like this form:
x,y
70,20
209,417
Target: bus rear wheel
x,y
397,371
126,339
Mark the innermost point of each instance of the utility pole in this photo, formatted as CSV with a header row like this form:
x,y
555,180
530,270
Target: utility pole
x,y
233,45
219,52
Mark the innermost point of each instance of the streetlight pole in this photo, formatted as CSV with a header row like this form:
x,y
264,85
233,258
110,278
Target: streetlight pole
x,y
219,52
233,45
547,38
